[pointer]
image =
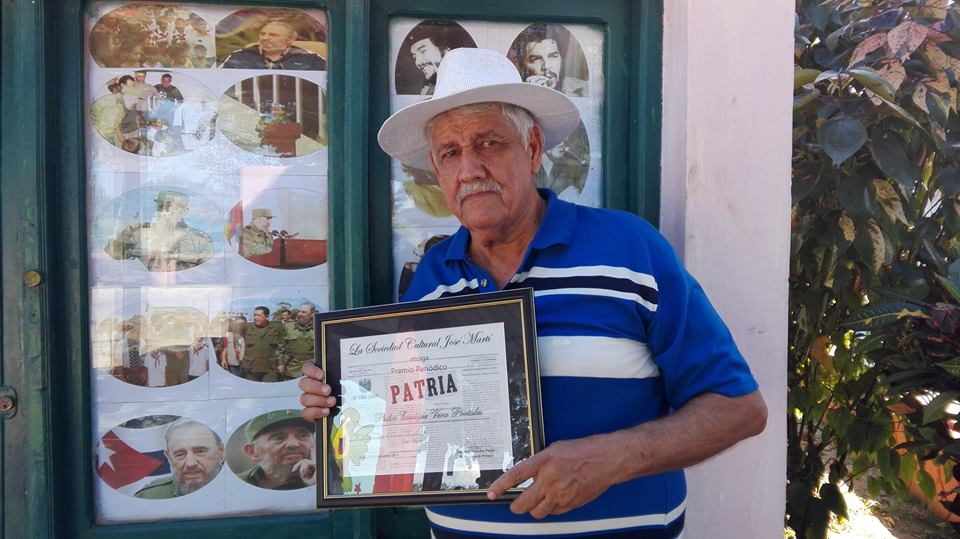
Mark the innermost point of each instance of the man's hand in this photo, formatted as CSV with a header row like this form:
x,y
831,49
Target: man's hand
x,y
566,475
316,399
307,469
571,473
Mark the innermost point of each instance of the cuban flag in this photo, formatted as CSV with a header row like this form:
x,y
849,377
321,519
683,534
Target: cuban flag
x,y
129,458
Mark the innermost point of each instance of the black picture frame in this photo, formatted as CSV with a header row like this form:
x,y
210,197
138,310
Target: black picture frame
x,y
514,309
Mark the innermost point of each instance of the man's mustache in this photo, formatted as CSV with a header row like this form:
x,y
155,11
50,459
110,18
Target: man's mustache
x,y
472,188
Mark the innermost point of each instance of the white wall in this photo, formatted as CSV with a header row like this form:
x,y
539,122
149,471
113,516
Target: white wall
x,y
725,206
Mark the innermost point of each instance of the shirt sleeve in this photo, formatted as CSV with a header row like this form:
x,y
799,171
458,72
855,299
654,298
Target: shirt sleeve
x,y
691,345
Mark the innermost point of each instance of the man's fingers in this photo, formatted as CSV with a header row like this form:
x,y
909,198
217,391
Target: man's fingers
x,y
543,509
511,478
531,498
313,387
312,371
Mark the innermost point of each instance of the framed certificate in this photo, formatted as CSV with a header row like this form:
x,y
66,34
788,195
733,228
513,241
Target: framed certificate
x,y
435,399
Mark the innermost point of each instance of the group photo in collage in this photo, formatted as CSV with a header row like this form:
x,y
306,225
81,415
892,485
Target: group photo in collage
x,y
565,58
207,137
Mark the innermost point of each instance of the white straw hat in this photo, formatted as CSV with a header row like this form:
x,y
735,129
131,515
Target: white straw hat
x,y
467,76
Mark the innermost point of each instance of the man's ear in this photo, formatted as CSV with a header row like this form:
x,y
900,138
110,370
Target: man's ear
x,y
251,451
535,148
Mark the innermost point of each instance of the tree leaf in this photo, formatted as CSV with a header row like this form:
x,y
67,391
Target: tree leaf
x,y
817,14
871,245
952,366
873,81
925,482
892,159
908,467
954,270
948,181
886,20
938,105
873,486
848,230
841,137
856,197
868,45
824,75
901,112
831,495
803,77
893,72
937,408
889,201
905,38
820,352
934,9
800,102
952,286
880,316
919,97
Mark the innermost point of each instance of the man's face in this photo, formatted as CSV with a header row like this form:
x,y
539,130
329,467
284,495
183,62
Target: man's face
x,y
277,449
275,38
262,223
427,56
165,81
140,76
177,210
542,63
305,315
194,457
484,170
260,318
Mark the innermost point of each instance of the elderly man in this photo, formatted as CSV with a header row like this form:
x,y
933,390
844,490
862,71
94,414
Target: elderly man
x,y
296,350
167,242
281,443
256,238
538,54
639,376
275,50
195,454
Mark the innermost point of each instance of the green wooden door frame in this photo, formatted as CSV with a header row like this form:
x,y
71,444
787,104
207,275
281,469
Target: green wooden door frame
x,y
48,488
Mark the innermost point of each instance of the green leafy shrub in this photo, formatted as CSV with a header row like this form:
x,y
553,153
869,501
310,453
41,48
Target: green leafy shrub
x,y
875,277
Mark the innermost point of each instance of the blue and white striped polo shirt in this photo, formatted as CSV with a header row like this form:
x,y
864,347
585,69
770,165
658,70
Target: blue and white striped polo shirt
x,y
618,319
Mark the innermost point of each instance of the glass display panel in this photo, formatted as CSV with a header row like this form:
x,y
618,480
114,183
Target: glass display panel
x,y
566,57
207,170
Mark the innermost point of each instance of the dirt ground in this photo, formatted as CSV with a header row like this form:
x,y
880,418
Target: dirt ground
x,y
885,517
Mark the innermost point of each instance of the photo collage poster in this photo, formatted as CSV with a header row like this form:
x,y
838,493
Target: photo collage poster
x,y
206,130
565,57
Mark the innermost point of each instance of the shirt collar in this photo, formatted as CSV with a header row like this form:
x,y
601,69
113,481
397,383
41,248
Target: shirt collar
x,y
559,223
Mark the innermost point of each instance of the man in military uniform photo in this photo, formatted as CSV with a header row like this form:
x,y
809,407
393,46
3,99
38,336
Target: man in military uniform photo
x,y
281,443
275,50
298,343
256,238
195,454
166,243
263,337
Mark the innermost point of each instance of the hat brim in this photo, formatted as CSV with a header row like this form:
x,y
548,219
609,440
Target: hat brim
x,y
403,135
